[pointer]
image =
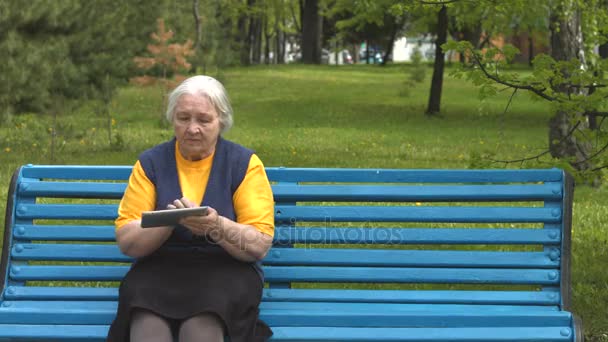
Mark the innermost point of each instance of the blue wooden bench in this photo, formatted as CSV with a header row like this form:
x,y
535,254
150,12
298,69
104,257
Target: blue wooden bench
x,y
359,255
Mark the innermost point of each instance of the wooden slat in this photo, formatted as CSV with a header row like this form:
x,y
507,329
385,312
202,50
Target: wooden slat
x,y
320,175
378,235
293,192
68,252
313,235
410,275
67,211
64,232
317,295
54,332
317,257
530,334
286,213
84,273
72,189
84,172
321,314
44,293
295,175
410,193
413,296
420,309
317,274
408,258
325,213
291,334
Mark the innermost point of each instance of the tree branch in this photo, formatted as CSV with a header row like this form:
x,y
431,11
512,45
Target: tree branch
x,y
442,2
539,92
540,154
593,155
600,167
600,114
510,100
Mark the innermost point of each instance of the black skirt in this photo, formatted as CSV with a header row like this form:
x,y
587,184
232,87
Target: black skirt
x,y
179,284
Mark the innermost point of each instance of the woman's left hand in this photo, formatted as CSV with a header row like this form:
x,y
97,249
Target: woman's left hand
x,y
199,225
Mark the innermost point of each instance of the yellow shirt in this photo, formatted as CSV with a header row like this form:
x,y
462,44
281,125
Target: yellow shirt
x,y
253,201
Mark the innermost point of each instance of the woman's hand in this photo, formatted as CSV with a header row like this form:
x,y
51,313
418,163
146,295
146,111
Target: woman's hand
x,y
243,242
198,225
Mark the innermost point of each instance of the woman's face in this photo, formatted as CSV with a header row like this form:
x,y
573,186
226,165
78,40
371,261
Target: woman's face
x,y
197,126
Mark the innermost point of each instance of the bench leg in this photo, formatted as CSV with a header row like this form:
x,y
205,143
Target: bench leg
x,y
578,329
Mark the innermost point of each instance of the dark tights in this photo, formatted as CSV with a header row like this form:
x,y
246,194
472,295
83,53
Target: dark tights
x,y
147,326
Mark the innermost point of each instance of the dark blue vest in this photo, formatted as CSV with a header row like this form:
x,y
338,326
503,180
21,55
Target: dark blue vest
x,y
230,164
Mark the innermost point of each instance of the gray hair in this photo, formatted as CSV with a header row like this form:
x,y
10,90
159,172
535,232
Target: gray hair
x,y
208,87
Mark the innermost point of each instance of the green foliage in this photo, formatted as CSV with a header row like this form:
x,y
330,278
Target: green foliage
x,y
371,21
418,71
575,86
64,49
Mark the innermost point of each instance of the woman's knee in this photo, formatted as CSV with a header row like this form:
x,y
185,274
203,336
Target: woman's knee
x,y
148,326
203,327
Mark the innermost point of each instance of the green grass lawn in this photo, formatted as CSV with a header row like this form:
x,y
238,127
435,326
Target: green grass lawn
x,y
324,116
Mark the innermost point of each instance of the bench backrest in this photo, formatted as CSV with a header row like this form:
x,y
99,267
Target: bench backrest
x,y
445,236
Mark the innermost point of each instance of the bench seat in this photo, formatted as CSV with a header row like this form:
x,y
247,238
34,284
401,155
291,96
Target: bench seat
x,y
358,255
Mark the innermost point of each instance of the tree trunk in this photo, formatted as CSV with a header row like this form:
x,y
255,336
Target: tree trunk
x,y
243,38
301,28
434,106
279,47
312,25
255,34
256,39
530,49
397,26
197,26
267,40
567,44
604,51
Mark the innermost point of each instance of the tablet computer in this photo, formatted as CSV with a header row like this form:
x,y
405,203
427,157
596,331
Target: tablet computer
x,y
169,217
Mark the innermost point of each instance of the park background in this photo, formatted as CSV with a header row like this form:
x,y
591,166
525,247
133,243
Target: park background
x,y
85,83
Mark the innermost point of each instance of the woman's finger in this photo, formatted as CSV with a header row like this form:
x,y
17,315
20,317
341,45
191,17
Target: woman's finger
x,y
187,203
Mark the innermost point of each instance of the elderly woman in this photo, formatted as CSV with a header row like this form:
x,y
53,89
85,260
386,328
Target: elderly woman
x,y
201,279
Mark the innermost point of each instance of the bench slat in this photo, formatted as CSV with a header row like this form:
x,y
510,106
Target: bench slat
x,y
416,214
48,332
84,172
351,235
529,334
72,189
319,175
322,314
408,193
321,214
353,193
64,233
407,258
317,295
378,235
422,309
317,274
67,211
317,257
295,175
68,252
